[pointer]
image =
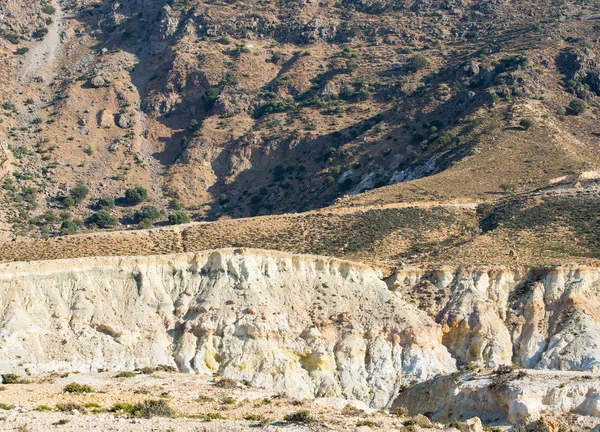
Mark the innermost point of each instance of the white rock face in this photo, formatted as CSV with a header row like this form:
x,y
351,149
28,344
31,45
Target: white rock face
x,y
536,318
521,400
308,326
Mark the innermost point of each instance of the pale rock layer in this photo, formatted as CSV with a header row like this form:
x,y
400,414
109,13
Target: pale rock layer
x,y
535,318
307,326
521,400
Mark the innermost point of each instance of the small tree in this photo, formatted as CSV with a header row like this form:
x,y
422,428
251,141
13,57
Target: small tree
x,y
68,202
145,224
136,195
103,219
526,123
79,192
418,62
146,212
68,227
106,203
179,217
209,97
578,106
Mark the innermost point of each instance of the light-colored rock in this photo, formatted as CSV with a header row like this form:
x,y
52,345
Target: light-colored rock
x,y
473,425
105,118
321,327
519,400
543,318
98,81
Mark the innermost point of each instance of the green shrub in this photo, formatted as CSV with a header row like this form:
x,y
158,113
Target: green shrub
x,y
70,406
106,203
77,388
11,379
103,219
209,97
44,408
176,204
194,125
302,416
61,422
145,224
146,212
125,408
68,227
178,218
578,106
417,62
48,9
153,408
526,123
5,407
79,192
125,374
136,195
68,202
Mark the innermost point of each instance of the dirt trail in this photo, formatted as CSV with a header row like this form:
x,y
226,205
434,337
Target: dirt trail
x,y
41,56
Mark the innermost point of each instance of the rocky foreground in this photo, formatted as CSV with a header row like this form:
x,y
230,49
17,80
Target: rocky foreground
x,y
185,403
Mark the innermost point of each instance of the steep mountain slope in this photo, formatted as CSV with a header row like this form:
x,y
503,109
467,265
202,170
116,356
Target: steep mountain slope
x,y
232,109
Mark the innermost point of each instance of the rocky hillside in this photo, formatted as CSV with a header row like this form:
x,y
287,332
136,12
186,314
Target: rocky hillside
x,y
226,109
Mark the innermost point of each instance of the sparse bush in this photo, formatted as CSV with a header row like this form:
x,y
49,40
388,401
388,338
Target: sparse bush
x,y
209,97
526,123
44,408
103,219
302,416
79,192
125,374
11,379
136,195
61,422
153,408
226,383
68,227
68,202
5,407
77,388
145,224
178,218
70,406
48,9
106,203
578,106
146,212
417,62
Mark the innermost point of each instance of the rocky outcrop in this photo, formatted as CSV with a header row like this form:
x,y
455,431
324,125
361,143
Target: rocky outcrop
x,y
516,398
540,318
307,326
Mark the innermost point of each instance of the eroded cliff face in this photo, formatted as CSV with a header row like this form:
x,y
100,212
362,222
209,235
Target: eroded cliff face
x,y
304,325
542,318
516,398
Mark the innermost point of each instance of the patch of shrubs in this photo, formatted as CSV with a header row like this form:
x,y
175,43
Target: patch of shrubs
x,y
77,388
146,409
178,218
302,416
103,219
136,195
